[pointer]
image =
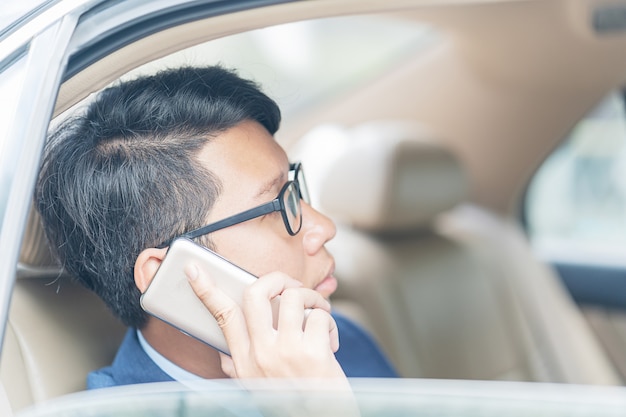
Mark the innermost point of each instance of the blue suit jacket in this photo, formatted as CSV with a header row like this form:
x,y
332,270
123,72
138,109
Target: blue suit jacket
x,y
358,355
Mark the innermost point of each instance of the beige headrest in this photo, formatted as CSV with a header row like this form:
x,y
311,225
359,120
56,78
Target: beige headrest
x,y
383,176
35,256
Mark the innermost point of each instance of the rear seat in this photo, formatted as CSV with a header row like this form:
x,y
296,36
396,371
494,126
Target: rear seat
x,y
57,331
449,290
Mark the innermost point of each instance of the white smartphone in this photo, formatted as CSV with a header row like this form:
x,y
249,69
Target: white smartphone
x,y
170,297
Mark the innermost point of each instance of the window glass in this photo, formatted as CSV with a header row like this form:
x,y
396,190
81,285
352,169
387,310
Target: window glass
x,y
11,81
576,204
302,64
13,12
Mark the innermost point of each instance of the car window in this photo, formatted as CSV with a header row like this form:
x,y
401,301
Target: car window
x,y
576,203
304,63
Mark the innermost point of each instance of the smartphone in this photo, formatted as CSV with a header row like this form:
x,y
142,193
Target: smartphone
x,y
169,296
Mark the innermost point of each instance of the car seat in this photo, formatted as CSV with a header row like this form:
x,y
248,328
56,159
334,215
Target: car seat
x,y
57,332
448,289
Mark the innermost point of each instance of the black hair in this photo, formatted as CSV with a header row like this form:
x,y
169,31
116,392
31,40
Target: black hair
x,y
123,176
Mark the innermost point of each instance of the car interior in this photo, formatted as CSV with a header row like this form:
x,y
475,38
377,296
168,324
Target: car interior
x,y
423,168
400,200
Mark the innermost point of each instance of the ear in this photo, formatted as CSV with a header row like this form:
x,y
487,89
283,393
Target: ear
x,y
146,266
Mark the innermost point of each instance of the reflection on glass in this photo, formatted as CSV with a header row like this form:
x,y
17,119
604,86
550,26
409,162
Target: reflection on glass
x,y
369,397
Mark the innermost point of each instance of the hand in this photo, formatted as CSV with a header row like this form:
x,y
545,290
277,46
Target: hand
x,y
297,348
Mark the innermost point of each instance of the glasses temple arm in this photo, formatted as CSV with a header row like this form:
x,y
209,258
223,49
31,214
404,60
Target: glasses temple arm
x,y
238,218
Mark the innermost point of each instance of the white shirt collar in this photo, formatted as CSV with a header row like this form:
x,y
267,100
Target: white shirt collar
x,y
176,372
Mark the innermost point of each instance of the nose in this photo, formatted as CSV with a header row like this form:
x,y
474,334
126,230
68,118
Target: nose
x,y
317,228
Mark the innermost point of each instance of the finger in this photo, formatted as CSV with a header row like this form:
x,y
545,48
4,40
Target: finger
x,y
226,312
321,329
228,366
257,307
293,302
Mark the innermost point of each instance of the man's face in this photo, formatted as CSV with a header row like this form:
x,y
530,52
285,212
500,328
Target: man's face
x,y
252,168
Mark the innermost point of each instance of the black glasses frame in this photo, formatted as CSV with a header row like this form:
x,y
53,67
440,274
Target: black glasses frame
x,y
277,204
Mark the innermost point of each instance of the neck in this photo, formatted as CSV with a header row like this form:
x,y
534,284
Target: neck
x,y
182,350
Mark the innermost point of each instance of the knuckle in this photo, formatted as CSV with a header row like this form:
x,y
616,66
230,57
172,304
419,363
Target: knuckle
x,y
253,291
203,293
291,293
249,295
318,314
276,275
224,316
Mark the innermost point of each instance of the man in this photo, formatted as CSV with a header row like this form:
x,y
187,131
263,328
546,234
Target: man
x,y
165,155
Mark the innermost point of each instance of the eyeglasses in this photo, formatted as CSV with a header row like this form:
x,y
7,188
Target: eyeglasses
x,y
287,202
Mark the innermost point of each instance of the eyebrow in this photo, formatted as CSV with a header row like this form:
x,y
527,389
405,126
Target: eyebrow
x,y
276,182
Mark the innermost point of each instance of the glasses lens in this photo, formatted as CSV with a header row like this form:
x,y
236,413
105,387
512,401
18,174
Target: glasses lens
x,y
304,191
291,200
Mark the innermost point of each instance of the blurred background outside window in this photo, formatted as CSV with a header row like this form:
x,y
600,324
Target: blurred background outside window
x,y
576,204
304,64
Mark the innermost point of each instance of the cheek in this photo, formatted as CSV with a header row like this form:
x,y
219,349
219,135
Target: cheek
x,y
261,251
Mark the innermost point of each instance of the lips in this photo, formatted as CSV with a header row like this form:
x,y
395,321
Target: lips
x,y
328,284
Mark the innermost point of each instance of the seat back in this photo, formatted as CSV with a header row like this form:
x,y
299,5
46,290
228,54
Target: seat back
x,y
448,290
57,332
